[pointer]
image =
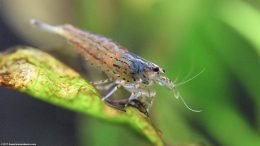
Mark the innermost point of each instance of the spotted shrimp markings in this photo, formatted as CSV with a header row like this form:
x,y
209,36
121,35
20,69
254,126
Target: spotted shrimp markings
x,y
105,43
97,47
87,50
122,61
95,39
117,66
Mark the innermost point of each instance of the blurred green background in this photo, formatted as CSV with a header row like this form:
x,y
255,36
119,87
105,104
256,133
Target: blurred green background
x,y
182,36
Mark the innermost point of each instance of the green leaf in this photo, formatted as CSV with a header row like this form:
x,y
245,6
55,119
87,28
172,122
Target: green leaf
x,y
38,74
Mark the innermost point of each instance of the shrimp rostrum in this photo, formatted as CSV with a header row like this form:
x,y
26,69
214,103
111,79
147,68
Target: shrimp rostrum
x,y
122,68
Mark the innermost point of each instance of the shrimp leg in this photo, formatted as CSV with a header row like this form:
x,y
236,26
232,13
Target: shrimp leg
x,y
119,104
142,100
105,87
111,92
100,82
139,105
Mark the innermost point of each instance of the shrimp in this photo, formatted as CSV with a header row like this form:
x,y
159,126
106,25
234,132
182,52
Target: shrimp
x,y
123,69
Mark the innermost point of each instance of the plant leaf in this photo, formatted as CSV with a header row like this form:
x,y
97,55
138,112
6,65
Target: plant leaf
x,y
38,74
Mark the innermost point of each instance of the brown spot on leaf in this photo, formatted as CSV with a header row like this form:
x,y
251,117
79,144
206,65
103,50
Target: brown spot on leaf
x,y
5,80
111,111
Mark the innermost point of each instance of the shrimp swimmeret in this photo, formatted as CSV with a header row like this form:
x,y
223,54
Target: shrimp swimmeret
x,y
122,68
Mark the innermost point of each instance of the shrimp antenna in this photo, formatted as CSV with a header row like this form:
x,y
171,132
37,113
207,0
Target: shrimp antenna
x,y
178,96
184,82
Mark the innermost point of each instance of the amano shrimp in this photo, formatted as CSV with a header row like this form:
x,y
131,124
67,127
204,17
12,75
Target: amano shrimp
x,y
123,68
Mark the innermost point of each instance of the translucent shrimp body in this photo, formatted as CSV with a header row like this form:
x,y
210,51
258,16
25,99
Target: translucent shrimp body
x,y
123,68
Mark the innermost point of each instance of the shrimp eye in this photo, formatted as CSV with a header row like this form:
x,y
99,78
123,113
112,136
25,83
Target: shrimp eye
x,y
156,69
